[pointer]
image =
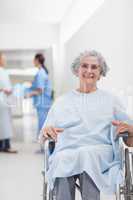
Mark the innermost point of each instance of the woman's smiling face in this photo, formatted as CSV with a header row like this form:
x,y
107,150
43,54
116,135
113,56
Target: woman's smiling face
x,y
89,71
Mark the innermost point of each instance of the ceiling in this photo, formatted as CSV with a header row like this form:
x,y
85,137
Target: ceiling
x,y
28,11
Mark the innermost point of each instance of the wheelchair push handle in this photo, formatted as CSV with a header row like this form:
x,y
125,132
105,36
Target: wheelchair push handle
x,y
51,146
123,135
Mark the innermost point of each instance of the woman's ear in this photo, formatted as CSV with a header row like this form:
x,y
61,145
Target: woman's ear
x,y
100,74
99,77
76,72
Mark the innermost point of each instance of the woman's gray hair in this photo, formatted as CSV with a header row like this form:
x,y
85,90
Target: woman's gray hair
x,y
76,64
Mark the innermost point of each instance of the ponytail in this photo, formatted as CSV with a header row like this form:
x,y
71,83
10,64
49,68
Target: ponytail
x,y
41,60
45,69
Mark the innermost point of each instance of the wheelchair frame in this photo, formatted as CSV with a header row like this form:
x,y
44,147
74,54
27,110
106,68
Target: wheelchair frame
x,y
48,149
124,190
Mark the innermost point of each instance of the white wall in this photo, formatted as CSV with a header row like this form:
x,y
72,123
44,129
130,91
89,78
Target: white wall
x,y
28,36
49,63
77,15
32,11
108,31
128,42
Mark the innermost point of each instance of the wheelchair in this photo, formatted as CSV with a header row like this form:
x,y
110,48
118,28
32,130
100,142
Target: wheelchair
x,y
124,191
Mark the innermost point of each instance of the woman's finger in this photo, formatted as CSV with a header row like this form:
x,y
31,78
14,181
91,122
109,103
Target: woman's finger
x,y
47,133
116,122
59,129
54,130
51,133
122,129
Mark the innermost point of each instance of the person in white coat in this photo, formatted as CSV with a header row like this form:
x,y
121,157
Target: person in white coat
x,y
5,112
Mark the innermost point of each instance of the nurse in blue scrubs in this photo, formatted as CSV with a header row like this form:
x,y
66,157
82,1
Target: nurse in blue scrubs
x,y
41,90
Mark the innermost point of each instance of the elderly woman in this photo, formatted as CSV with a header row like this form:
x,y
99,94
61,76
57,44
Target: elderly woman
x,y
81,124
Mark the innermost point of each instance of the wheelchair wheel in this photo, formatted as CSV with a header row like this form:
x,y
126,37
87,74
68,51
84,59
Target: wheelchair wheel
x,y
47,195
51,195
45,187
45,192
128,178
119,196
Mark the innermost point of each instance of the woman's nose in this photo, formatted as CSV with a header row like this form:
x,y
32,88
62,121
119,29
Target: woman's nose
x,y
89,69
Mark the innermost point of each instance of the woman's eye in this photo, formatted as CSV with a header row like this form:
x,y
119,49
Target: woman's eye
x,y
94,67
84,66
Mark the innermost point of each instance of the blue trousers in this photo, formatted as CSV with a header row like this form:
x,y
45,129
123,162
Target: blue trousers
x,y
65,188
5,144
42,114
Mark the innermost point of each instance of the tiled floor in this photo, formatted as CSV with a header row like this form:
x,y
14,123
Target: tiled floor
x,y
20,174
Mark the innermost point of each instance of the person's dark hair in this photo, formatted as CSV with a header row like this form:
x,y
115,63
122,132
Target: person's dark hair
x,y
41,59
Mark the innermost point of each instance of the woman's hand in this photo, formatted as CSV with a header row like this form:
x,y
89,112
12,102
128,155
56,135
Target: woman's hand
x,y
123,127
51,132
7,92
27,95
33,93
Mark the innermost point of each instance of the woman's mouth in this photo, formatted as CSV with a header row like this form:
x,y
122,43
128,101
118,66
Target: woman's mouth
x,y
91,76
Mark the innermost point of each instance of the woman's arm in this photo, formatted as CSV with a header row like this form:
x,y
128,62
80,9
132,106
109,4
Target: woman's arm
x,y
35,92
7,92
122,121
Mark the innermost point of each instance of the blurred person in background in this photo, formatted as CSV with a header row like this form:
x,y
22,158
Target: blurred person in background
x,y
41,90
5,112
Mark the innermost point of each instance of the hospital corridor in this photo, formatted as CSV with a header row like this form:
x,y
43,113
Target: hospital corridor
x,y
66,100
20,174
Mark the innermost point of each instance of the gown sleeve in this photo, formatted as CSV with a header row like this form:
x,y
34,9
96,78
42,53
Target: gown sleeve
x,y
120,112
51,117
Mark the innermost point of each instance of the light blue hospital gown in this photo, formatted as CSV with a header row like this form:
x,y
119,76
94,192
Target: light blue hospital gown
x,y
43,101
88,142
